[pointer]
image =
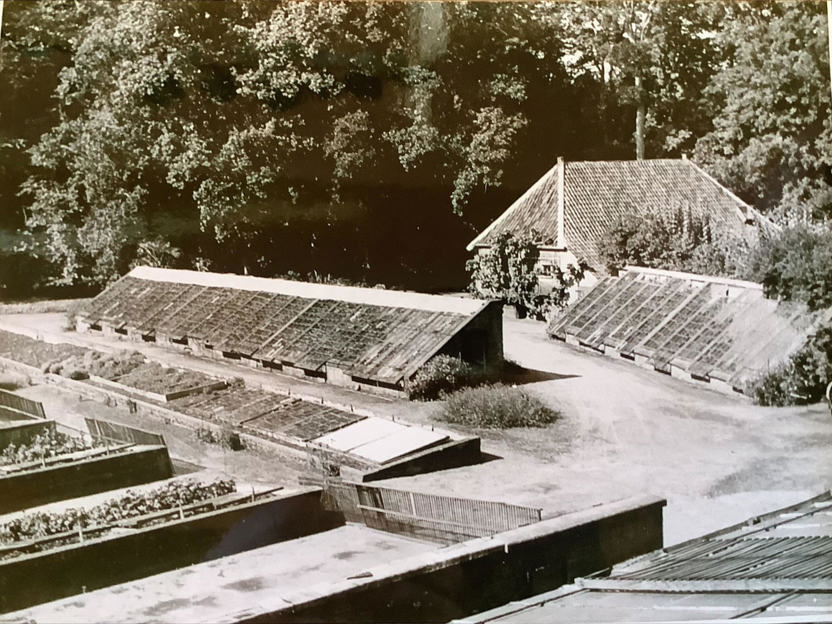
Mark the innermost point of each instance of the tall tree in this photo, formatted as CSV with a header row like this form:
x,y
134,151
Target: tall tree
x,y
772,122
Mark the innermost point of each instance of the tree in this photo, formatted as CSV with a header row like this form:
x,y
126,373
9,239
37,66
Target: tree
x,y
772,134
229,114
507,271
794,265
651,58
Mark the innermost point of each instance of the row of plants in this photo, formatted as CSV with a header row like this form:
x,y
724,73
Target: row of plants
x,y
130,505
129,368
153,377
106,365
33,352
44,445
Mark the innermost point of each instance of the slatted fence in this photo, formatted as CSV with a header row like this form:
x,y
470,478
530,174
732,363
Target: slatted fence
x,y
444,519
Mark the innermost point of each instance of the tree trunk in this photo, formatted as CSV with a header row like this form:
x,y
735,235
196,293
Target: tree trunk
x,y
828,28
640,114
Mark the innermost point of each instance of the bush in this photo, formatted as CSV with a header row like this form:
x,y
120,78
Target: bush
x,y
677,241
795,265
803,378
496,407
441,375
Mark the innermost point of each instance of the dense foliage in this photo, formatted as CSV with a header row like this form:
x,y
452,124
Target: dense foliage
x,y
496,407
508,271
370,140
44,445
130,505
796,264
441,375
803,378
677,241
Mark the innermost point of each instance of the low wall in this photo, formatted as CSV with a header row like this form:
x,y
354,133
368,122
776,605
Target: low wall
x,y
157,396
24,432
140,464
480,574
69,570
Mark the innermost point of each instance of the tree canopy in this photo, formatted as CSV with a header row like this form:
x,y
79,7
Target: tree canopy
x,y
372,139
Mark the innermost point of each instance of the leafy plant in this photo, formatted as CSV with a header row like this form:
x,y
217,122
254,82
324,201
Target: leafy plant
x,y
51,443
508,271
677,241
441,375
796,264
496,407
131,504
803,378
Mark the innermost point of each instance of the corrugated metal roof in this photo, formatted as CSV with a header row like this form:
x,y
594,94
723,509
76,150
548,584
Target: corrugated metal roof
x,y
596,194
376,335
776,567
712,328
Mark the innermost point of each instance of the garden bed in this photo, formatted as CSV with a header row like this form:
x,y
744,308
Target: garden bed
x,y
36,352
37,532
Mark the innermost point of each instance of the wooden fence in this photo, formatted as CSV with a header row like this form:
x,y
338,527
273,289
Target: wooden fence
x,y
444,519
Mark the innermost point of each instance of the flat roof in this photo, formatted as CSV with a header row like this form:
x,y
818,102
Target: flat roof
x,y
209,591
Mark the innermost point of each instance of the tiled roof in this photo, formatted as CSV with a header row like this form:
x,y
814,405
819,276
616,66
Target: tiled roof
x,y
712,328
596,194
774,566
368,333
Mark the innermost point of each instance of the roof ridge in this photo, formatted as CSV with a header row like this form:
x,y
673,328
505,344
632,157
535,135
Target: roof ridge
x,y
311,290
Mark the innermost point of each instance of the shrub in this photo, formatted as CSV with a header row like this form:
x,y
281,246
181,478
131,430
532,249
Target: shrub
x,y
496,407
677,240
440,375
803,378
795,265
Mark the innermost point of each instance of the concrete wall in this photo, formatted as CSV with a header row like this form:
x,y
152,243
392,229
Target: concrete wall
x,y
480,574
140,464
24,432
70,570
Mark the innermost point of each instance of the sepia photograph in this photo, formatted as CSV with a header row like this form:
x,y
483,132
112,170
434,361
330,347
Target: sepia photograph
x,y
391,312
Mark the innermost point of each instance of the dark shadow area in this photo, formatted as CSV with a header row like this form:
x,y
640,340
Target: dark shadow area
x,y
182,467
487,457
513,373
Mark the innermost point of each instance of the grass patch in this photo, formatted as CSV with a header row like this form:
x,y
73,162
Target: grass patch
x,y
496,407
